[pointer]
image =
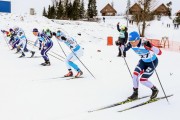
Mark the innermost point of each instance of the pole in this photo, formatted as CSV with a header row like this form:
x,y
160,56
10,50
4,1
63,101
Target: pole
x,y
159,80
82,63
48,53
126,62
61,48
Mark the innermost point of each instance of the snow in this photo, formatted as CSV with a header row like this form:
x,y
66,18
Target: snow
x,y
28,92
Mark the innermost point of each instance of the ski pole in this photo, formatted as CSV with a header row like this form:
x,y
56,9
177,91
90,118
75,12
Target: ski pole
x,y
159,80
50,51
61,48
47,53
126,62
82,63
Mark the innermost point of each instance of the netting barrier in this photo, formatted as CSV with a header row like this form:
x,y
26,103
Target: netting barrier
x,y
166,44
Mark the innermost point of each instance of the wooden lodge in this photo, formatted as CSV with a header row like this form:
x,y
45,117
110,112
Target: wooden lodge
x,y
108,10
161,10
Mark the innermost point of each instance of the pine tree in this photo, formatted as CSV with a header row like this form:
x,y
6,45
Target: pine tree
x,y
169,4
49,12
92,11
70,11
44,12
60,10
66,8
53,12
76,9
82,10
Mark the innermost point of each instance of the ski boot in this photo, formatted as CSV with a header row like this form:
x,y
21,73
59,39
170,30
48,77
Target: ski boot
x,y
134,96
22,55
46,63
79,74
69,74
32,53
18,50
154,92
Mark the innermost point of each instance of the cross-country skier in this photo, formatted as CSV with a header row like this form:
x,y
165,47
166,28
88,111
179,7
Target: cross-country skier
x,y
14,40
146,65
77,52
22,45
45,45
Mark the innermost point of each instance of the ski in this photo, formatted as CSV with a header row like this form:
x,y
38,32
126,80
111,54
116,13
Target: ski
x,y
73,78
118,103
60,77
66,78
34,57
145,103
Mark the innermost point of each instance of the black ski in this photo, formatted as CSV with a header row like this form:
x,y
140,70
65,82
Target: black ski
x,y
145,103
34,57
119,103
74,78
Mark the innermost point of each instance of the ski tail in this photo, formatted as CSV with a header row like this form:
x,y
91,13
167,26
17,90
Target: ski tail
x,y
119,103
146,102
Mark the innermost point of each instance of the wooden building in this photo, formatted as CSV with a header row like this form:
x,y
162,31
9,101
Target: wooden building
x,y
108,10
161,10
135,9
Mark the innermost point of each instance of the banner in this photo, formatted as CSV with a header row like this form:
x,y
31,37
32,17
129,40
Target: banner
x,y
5,6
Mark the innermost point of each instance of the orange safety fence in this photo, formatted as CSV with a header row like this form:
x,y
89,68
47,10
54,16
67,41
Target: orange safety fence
x,y
166,44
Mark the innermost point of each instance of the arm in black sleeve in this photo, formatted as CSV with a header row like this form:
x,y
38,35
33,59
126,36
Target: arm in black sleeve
x,y
126,37
118,28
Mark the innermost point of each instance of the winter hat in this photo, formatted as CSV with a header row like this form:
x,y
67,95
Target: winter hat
x,y
10,29
133,36
58,33
35,30
16,28
123,27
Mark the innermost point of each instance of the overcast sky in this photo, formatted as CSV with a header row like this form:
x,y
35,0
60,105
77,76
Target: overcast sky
x,y
23,6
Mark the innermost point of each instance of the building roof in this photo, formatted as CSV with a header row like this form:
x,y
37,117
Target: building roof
x,y
108,8
158,7
136,5
178,12
154,6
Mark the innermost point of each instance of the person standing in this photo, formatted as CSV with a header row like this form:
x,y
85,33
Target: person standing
x,y
45,45
77,52
122,39
146,65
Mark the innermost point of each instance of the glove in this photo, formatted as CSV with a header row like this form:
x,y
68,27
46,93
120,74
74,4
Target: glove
x,y
63,38
39,48
117,43
54,34
44,47
148,44
3,31
71,46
